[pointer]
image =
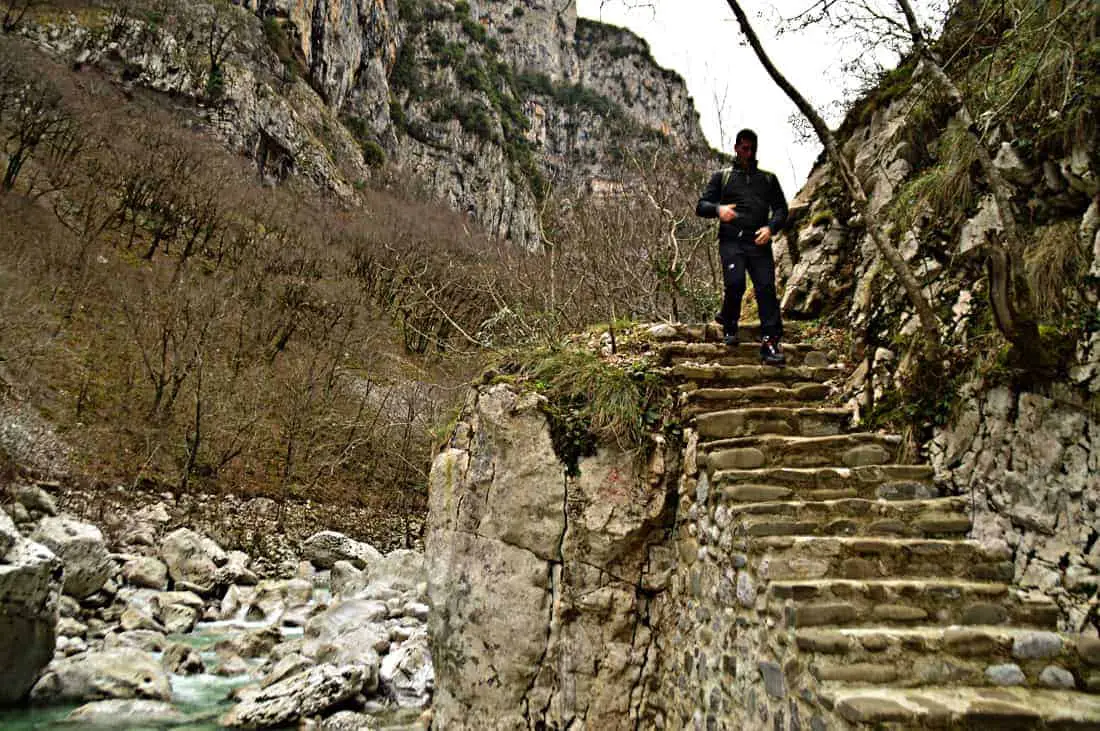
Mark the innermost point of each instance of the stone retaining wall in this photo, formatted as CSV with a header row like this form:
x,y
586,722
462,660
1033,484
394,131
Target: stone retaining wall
x,y
1031,466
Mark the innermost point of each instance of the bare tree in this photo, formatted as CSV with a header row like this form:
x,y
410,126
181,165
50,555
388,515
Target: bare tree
x,y
14,10
34,116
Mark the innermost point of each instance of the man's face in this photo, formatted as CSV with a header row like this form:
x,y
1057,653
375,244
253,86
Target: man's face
x,y
744,150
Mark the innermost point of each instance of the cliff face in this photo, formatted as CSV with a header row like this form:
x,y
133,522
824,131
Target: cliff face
x,y
481,105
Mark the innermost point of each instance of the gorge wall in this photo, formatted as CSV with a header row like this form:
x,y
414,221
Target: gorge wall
x,y
482,105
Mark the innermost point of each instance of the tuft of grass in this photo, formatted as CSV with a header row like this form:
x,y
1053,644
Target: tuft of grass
x,y
944,192
592,400
1053,260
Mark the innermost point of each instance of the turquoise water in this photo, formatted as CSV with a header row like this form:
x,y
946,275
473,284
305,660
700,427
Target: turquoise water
x,y
202,698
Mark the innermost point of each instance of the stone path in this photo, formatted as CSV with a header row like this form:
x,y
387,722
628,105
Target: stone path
x,y
879,610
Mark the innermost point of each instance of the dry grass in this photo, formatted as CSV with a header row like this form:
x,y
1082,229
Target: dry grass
x,y
943,193
1054,259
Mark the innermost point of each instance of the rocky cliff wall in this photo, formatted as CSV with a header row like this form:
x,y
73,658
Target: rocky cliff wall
x,y
481,105
1030,464
541,583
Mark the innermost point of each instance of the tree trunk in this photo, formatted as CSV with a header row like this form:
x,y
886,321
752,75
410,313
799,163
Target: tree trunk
x,y
928,320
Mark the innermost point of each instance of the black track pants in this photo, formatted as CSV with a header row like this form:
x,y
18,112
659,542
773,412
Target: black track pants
x,y
738,258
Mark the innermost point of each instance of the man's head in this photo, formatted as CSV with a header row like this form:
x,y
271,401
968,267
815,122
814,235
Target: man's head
x,y
744,146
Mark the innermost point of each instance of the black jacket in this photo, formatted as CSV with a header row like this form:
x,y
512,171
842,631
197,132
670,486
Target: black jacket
x,y
759,200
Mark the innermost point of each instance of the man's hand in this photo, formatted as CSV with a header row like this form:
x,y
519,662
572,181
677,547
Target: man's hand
x,y
763,235
727,213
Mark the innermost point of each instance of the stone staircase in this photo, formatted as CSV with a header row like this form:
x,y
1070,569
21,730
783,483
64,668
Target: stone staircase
x,y
877,611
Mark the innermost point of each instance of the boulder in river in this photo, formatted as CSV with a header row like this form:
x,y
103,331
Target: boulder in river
x,y
81,547
126,713
301,695
123,672
30,587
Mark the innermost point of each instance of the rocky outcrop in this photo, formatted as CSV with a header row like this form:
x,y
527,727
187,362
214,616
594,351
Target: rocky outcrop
x,y
538,580
30,587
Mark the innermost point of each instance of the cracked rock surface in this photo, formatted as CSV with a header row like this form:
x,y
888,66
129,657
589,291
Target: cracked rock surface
x,y
536,579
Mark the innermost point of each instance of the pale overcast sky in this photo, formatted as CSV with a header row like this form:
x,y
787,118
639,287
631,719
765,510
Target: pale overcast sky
x,y
700,39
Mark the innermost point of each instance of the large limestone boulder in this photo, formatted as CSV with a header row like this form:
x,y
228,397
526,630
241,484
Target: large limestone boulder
x,y
350,632
119,673
145,572
81,547
30,587
192,558
517,641
301,695
327,547
177,611
268,601
126,713
402,570
236,570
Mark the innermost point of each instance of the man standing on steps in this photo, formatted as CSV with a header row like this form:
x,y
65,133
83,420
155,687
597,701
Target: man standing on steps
x,y
751,209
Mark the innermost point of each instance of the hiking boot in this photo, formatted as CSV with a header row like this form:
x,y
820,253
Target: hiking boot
x,y
731,339
771,352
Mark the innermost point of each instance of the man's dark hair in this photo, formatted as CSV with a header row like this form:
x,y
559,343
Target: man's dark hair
x,y
746,134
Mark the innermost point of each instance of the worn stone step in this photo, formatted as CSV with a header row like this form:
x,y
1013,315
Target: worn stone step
x,y
723,376
973,655
803,557
806,421
745,353
711,332
702,400
954,707
845,450
883,482
901,602
932,518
